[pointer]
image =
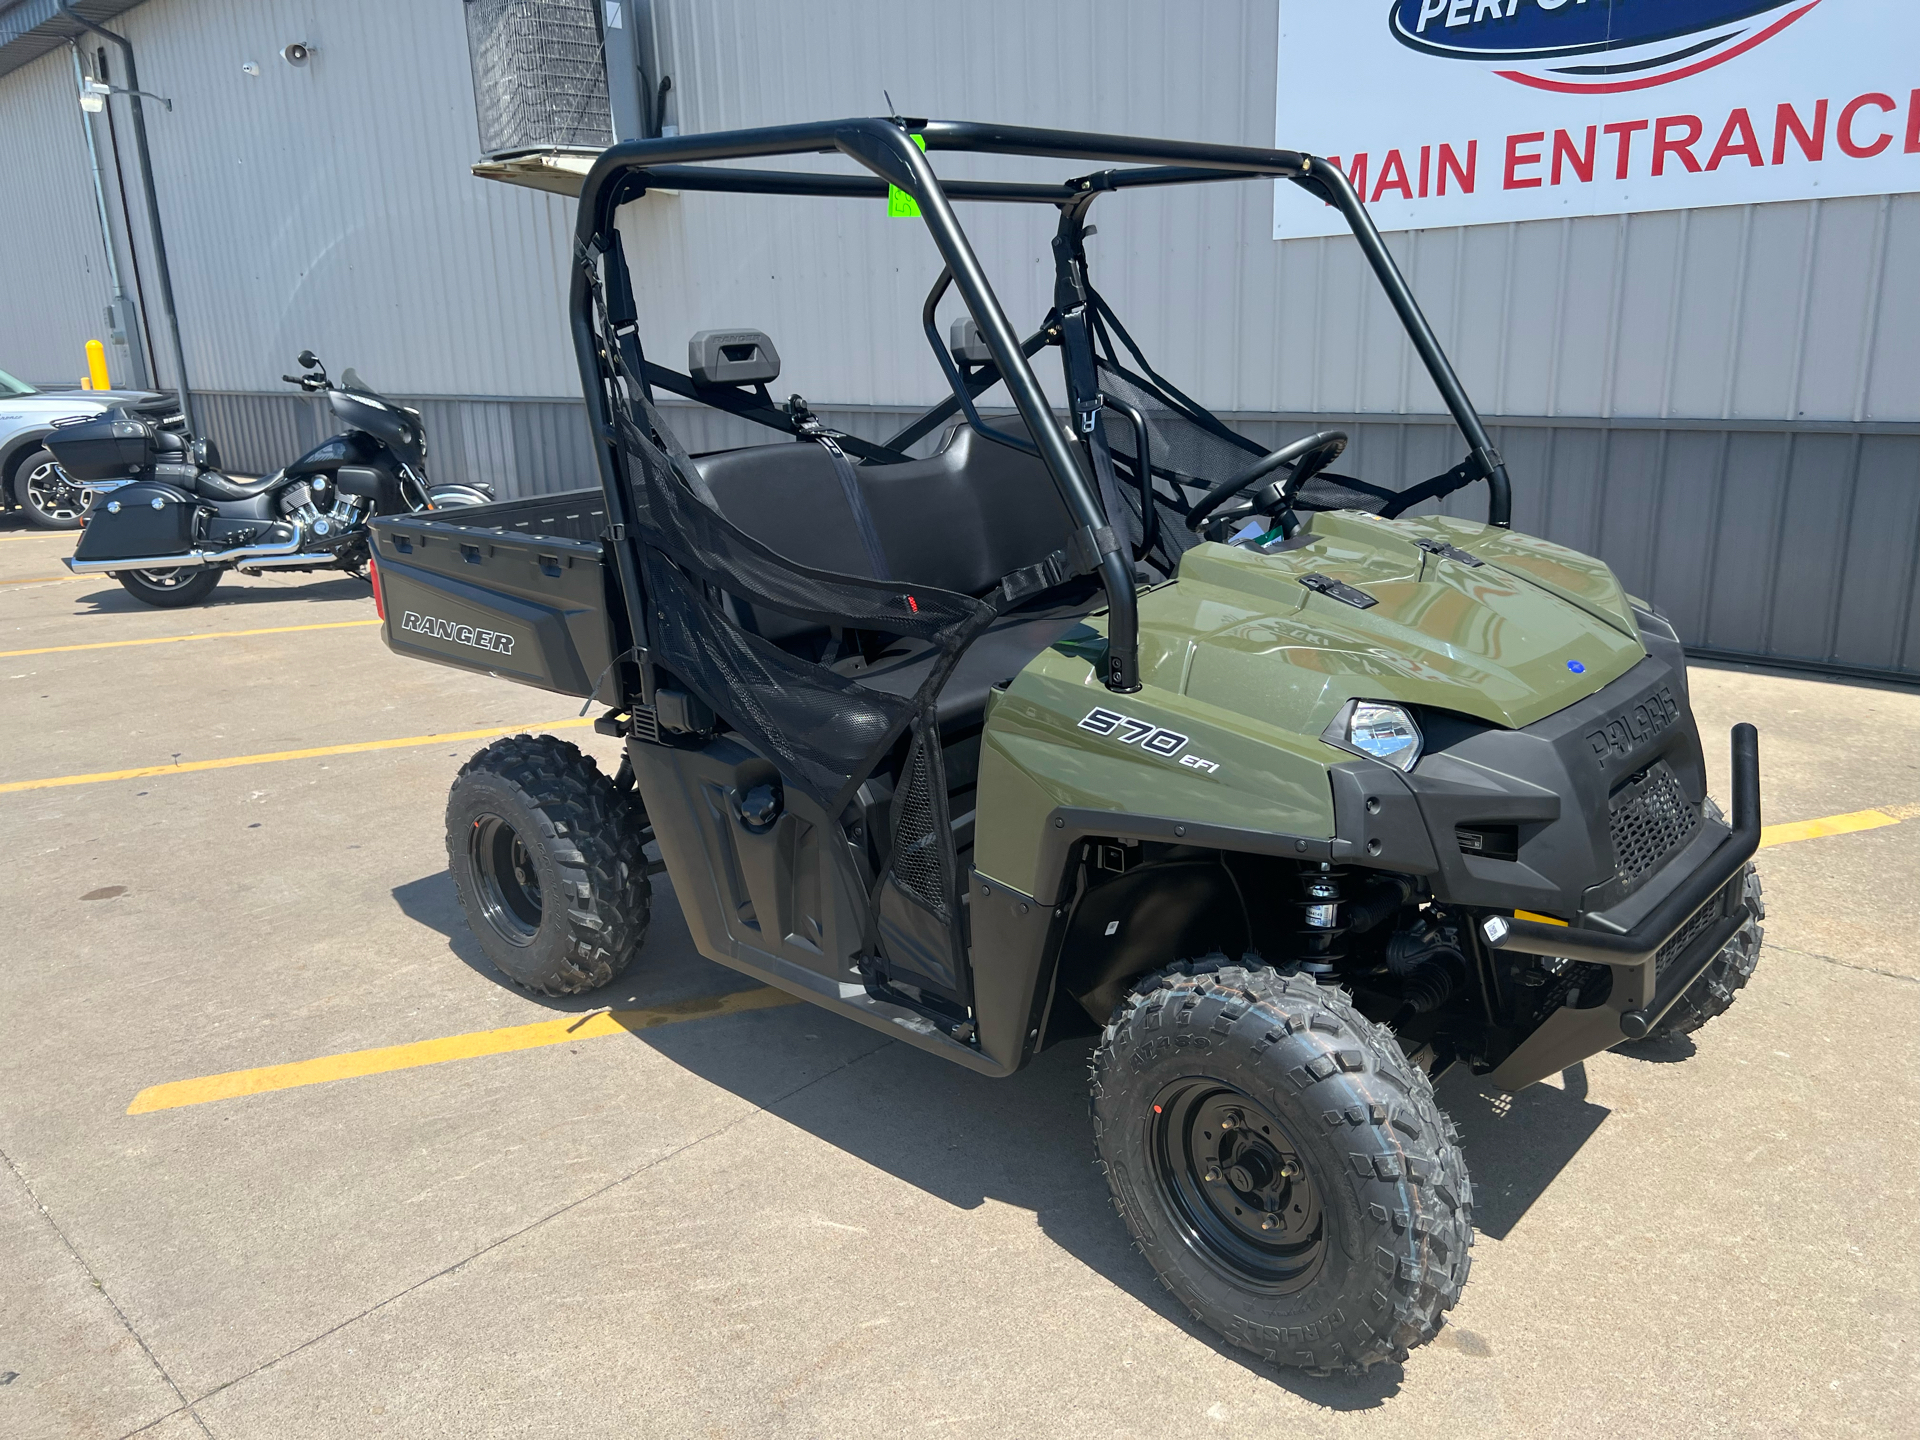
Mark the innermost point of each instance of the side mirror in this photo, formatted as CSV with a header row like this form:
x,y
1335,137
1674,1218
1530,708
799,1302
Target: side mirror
x,y
307,358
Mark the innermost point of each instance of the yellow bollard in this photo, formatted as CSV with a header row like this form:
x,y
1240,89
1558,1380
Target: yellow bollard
x,y
97,366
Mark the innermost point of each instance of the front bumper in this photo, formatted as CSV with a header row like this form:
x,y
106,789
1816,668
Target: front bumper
x,y
1643,990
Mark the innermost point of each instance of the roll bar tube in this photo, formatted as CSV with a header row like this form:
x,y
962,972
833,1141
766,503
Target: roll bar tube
x,y
885,148
1322,177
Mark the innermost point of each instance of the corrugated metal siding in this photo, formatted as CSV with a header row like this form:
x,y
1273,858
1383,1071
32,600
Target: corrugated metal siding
x,y
330,206
1788,312
54,285
520,447
296,220
1764,485
1797,545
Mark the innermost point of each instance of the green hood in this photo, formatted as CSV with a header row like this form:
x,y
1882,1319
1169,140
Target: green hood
x,y
1530,631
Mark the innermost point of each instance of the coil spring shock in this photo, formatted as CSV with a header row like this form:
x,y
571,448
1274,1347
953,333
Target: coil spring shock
x,y
1322,933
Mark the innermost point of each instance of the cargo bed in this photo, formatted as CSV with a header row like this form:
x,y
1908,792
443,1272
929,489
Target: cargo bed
x,y
516,589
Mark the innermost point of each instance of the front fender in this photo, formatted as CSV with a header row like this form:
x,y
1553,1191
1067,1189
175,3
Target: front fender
x,y
1050,762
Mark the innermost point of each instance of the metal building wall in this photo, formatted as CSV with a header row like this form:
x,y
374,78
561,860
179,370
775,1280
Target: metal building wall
x,y
1720,402
327,206
53,282
1806,311
330,206
1706,398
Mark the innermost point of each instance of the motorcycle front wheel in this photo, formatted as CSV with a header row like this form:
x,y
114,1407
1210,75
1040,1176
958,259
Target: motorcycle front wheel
x,y
171,589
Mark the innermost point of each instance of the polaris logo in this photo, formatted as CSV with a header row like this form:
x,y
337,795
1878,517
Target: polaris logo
x,y
1623,734
499,642
1592,46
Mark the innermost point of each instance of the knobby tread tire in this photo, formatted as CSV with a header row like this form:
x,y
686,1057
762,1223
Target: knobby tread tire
x,y
1394,1189
1712,994
588,842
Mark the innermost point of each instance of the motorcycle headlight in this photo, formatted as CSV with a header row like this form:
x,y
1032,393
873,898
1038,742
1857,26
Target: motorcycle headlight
x,y
1380,731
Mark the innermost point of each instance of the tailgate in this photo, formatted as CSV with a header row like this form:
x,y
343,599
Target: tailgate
x,y
483,593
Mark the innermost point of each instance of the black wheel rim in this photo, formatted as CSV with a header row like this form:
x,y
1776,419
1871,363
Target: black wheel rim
x,y
55,496
165,579
504,875
1238,1188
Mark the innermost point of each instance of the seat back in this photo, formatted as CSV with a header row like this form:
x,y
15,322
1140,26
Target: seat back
x,y
958,520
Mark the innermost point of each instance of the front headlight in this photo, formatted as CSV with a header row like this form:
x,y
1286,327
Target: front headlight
x,y
1377,730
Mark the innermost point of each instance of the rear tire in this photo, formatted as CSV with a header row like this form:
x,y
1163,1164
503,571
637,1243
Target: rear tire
x,y
1366,1246
46,497
546,856
170,589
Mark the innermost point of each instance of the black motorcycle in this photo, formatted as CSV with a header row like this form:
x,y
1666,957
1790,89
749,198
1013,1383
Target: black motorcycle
x,y
170,532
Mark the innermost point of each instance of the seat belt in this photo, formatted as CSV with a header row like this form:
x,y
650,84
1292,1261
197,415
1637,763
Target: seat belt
x,y
1083,383
807,426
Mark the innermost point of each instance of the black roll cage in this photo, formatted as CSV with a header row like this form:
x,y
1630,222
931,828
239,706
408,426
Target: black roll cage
x,y
886,147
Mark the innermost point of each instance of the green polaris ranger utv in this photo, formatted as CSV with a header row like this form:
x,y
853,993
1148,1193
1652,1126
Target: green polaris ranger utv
x,y
1009,731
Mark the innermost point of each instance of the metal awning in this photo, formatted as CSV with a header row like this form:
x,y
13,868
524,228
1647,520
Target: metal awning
x,y
31,28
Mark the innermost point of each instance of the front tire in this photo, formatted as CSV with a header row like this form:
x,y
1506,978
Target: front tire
x,y
1281,1165
547,860
170,589
45,495
1713,993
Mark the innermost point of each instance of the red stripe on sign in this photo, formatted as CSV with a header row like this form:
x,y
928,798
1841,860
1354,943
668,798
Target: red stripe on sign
x,y
1616,87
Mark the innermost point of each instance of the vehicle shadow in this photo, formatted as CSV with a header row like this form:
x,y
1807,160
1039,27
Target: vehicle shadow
x,y
112,599
667,969
1022,1141
1517,1145
1659,1050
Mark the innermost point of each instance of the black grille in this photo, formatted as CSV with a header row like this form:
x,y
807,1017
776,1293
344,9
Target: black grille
x,y
1704,920
1650,818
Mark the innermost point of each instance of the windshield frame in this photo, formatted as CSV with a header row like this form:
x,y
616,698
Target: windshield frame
x,y
11,386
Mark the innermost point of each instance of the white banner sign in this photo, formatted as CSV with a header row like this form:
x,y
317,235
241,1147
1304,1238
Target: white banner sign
x,y
1468,112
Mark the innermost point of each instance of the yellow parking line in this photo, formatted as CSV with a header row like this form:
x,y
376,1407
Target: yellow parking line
x,y
354,1063
230,761
50,535
44,579
177,639
236,1083
1836,824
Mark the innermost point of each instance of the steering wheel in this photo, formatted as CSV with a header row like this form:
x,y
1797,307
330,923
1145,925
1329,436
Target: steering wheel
x,y
1308,455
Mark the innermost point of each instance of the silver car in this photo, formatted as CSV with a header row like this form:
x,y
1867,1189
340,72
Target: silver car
x,y
29,480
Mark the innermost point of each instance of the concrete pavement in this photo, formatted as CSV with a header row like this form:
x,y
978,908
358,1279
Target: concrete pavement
x,y
774,1222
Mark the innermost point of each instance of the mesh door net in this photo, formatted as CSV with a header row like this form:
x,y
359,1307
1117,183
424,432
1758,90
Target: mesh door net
x,y
825,732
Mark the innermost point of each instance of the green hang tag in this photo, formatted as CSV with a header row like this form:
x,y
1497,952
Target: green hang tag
x,y
901,205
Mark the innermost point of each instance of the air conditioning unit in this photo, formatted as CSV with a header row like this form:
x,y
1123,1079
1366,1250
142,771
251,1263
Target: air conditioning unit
x,y
539,75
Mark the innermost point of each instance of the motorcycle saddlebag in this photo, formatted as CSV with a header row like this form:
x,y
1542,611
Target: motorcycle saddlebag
x,y
139,520
109,446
